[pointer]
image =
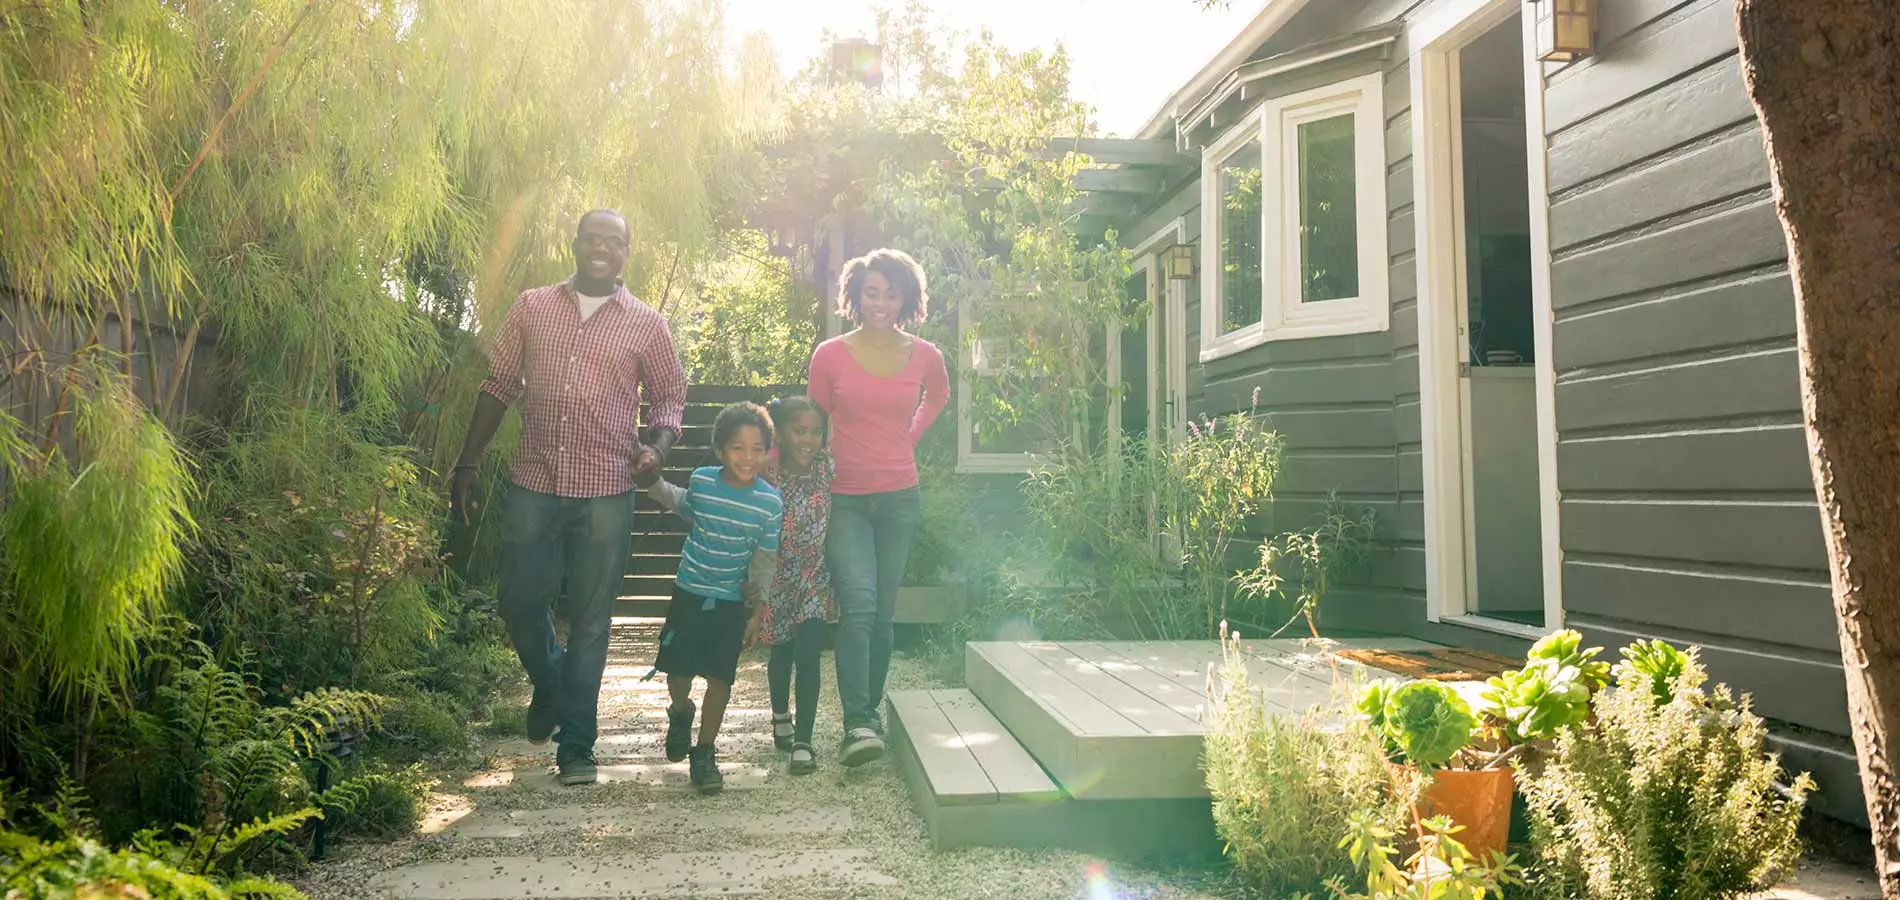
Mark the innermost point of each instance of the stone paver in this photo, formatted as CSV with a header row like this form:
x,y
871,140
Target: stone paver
x,y
665,776
666,875
615,821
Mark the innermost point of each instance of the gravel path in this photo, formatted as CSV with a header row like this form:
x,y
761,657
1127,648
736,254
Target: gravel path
x,y
502,829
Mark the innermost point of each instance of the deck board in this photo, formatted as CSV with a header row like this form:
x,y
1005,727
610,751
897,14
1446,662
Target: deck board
x,y
1188,701
1010,768
1085,713
1147,713
955,775
1121,720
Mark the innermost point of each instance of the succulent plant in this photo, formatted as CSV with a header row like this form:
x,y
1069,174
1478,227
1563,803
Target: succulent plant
x,y
1539,700
1428,721
1657,664
1565,648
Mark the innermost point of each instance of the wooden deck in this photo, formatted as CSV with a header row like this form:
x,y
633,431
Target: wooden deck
x,y
1095,746
1122,720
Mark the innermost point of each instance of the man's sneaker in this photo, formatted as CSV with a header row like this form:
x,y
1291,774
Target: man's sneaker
x,y
704,770
579,769
861,745
804,762
782,731
544,712
679,732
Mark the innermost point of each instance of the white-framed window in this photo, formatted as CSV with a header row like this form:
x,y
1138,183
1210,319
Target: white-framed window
x,y
1293,221
1008,448
986,447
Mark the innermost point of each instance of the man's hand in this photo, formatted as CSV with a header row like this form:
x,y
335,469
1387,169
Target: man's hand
x,y
647,463
646,467
465,493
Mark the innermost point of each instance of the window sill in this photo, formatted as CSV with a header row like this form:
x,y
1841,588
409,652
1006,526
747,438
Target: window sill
x,y
1249,338
1496,626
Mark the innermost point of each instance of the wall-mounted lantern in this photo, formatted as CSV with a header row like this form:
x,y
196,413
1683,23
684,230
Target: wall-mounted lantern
x,y
1565,29
1180,262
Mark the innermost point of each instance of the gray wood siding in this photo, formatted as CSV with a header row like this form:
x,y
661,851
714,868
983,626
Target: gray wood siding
x,y
1346,407
1688,509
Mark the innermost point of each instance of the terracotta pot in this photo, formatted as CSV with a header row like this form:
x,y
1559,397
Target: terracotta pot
x,y
1478,800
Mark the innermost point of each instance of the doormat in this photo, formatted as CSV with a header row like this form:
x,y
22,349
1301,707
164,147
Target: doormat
x,y
1446,664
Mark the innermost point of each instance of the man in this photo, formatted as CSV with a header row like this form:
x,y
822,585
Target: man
x,y
591,364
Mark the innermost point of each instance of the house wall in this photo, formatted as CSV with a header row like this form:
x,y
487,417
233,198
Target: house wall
x,y
1346,407
1688,509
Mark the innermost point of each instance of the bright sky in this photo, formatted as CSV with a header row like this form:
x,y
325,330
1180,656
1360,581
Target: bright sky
x,y
1127,55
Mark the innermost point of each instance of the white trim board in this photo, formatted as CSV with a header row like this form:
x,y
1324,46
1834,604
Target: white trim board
x,y
1450,549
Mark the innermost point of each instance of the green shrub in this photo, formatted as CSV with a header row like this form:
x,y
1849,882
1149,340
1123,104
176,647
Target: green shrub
x,y
389,806
1669,800
61,855
1287,789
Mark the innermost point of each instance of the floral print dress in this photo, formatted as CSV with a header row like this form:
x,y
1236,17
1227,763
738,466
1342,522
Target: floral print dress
x,y
802,590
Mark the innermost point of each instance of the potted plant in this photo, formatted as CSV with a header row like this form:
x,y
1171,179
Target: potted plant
x,y
1431,729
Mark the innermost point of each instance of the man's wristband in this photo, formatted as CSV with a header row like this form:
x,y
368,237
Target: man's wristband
x,y
468,466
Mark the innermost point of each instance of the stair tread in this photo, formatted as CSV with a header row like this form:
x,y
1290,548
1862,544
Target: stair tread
x,y
967,756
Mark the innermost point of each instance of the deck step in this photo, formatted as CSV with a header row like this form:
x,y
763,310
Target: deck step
x,y
977,786
970,779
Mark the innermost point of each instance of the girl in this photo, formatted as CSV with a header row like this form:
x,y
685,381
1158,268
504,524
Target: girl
x,y
793,621
882,387
727,565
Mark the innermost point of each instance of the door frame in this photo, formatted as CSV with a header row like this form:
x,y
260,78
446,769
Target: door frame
x,y
1450,546
1167,321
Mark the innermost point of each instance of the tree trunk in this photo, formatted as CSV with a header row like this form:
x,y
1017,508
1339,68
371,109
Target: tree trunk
x,y
1825,79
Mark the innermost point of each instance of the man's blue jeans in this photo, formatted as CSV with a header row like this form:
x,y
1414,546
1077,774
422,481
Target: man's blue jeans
x,y
868,546
553,544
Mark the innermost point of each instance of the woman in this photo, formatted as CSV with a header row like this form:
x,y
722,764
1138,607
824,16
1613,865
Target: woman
x,y
882,388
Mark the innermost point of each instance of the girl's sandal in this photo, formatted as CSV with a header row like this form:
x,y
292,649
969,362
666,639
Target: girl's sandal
x,y
782,732
804,761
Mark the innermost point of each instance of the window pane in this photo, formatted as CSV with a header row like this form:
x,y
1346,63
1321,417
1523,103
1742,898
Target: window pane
x,y
1329,221
1240,238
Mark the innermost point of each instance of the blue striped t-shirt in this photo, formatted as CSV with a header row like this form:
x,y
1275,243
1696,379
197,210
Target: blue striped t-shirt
x,y
728,523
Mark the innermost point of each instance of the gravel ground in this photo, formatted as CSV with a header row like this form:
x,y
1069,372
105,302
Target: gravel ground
x,y
882,821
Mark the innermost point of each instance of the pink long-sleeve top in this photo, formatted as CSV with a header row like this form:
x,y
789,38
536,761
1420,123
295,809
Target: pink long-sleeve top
x,y
876,422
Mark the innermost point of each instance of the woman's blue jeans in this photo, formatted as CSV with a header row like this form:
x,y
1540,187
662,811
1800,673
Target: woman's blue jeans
x,y
867,547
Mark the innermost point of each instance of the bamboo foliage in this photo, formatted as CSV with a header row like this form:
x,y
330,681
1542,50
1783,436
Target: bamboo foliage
x,y
277,173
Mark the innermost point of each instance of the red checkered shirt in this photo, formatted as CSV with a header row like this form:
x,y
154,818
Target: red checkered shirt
x,y
587,387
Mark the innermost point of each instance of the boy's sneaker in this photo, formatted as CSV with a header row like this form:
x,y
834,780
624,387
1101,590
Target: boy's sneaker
x,y
679,732
861,745
782,731
544,713
704,770
579,769
804,762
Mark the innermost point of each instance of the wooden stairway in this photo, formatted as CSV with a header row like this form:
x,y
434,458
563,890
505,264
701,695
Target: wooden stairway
x,y
658,536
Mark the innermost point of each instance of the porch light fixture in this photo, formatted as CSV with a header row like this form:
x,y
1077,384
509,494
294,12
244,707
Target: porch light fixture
x,y
1564,29
1180,262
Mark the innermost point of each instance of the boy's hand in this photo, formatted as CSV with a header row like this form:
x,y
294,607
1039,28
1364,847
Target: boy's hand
x,y
752,625
646,467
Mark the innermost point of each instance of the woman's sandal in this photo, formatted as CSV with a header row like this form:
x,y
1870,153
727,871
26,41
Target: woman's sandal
x,y
782,732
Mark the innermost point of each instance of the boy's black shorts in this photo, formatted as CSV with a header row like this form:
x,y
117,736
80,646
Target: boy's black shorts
x,y
700,642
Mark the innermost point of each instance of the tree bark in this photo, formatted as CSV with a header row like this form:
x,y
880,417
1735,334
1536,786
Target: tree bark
x,y
1825,79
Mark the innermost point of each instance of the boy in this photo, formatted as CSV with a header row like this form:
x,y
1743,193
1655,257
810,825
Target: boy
x,y
725,571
